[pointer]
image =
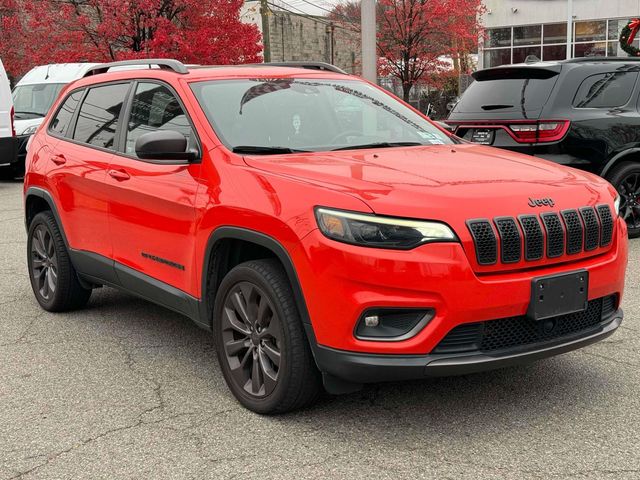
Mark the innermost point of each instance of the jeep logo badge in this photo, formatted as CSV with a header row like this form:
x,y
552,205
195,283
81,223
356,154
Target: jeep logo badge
x,y
541,202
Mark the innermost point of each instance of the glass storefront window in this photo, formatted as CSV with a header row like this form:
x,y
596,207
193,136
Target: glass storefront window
x,y
591,49
590,31
498,37
555,33
614,50
554,52
495,58
528,35
521,54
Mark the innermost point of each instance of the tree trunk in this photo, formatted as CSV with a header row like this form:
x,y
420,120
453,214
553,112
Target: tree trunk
x,y
406,90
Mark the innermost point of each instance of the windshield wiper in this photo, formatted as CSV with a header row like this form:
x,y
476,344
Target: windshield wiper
x,y
378,145
495,107
17,112
264,150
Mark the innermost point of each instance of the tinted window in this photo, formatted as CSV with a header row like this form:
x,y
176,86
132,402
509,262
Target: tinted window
x,y
61,121
605,90
98,117
155,108
506,95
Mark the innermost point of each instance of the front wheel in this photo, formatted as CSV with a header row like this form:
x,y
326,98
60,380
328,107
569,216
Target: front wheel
x,y
626,179
261,345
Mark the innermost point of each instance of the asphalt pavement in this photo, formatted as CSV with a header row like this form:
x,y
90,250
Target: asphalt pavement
x,y
127,390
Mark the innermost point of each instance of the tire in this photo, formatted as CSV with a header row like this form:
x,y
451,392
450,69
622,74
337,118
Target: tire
x,y
53,279
246,345
626,180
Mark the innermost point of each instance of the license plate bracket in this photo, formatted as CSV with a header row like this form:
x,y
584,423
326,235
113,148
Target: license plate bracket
x,y
556,295
483,136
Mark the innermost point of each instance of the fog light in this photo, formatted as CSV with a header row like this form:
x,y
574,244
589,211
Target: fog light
x,y
372,320
392,324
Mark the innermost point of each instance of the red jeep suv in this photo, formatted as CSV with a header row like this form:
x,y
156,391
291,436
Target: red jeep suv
x,y
324,231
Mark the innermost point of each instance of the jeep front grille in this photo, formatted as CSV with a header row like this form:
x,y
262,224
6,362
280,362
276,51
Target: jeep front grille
x,y
504,239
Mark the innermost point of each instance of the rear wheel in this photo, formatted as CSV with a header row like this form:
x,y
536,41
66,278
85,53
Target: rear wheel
x,y
53,279
626,179
261,346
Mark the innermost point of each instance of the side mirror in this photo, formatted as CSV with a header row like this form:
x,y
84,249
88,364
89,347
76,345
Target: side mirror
x,y
164,145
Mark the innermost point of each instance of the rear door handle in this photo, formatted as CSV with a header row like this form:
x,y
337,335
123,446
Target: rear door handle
x,y
119,175
58,159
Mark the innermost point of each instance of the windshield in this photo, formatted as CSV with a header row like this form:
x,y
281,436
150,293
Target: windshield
x,y
32,101
281,115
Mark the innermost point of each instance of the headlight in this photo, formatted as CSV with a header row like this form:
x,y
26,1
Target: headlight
x,y
616,204
30,130
381,232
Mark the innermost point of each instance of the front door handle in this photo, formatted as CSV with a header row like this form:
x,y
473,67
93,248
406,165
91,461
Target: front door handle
x,y
58,159
119,175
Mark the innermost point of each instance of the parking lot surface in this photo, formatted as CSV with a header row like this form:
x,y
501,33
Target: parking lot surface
x,y
125,389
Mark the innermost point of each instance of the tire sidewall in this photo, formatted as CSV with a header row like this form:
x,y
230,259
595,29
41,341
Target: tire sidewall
x,y
46,220
619,174
268,403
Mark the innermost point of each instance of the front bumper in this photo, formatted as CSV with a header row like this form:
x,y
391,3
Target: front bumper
x,y
341,281
360,368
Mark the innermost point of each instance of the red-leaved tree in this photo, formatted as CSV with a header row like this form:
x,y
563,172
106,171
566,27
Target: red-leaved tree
x,y
413,35
193,31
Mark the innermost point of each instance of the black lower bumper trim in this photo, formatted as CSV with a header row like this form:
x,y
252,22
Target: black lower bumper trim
x,y
370,368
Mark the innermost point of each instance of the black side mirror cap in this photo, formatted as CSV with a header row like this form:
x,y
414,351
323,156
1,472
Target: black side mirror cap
x,y
165,145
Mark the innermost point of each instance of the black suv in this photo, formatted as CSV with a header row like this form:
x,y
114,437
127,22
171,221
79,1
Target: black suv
x,y
583,113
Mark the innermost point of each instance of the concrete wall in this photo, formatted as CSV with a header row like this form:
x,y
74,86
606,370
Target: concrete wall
x,y
500,13
307,38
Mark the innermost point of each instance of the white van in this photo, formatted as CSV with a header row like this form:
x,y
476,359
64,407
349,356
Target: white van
x,y
34,94
7,132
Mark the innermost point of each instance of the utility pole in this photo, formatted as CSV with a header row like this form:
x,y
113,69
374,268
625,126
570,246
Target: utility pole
x,y
266,37
369,55
569,28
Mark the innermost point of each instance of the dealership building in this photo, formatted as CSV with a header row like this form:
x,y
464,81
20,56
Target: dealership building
x,y
516,29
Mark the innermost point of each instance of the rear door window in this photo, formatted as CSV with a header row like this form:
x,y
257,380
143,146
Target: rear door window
x,y
60,123
98,118
605,90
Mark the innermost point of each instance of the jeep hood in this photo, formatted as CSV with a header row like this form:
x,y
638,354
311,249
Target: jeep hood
x,y
451,183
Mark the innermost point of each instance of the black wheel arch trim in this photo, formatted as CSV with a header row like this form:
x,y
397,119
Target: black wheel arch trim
x,y
47,197
270,243
619,157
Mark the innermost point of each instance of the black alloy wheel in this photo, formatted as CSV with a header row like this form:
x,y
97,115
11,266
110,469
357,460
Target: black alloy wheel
x,y
626,179
44,262
252,337
260,340
629,190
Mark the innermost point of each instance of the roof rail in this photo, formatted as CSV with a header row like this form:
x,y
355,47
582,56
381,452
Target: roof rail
x,y
327,67
602,59
163,63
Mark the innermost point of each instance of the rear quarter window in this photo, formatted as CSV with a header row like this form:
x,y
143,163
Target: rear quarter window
x,y
60,122
605,90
